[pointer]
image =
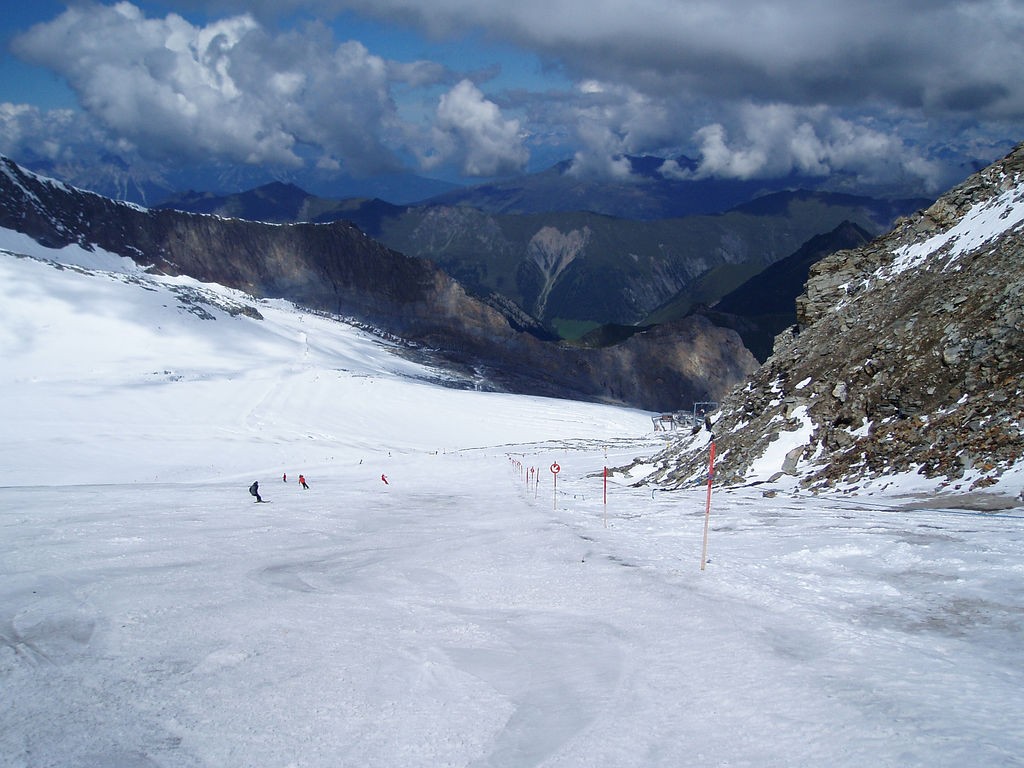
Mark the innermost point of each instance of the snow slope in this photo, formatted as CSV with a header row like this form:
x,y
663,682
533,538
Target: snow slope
x,y
461,614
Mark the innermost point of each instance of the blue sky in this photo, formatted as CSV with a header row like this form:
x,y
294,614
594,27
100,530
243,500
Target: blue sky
x,y
902,92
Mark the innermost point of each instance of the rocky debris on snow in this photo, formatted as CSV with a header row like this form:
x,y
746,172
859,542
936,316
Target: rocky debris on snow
x,y
908,356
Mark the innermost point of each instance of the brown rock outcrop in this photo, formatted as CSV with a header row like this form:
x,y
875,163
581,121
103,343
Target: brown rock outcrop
x,y
908,357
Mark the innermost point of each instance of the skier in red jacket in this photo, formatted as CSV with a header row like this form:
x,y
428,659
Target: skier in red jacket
x,y
302,482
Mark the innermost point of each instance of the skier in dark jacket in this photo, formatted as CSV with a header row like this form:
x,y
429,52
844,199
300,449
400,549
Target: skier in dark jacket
x,y
254,489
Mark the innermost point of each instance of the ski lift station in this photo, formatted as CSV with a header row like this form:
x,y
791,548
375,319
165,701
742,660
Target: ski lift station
x,y
669,422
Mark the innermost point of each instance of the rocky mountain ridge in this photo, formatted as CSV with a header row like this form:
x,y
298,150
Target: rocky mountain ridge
x,y
337,269
908,357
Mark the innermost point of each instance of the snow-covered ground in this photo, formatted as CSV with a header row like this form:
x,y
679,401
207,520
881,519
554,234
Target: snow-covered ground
x,y
461,614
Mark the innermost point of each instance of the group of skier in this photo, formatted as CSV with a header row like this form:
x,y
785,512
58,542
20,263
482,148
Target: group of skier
x,y
254,489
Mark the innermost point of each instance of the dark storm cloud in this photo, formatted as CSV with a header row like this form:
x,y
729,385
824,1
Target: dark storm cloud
x,y
905,53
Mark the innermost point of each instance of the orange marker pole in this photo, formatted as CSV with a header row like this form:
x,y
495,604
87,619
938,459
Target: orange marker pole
x,y
707,509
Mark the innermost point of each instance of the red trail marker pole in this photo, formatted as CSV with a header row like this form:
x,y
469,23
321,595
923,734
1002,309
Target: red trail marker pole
x,y
555,469
707,508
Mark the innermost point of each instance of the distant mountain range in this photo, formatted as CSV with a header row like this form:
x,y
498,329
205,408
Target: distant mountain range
x,y
574,271
653,188
150,183
646,194
563,251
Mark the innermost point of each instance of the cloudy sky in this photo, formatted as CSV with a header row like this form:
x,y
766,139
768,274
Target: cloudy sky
x,y
470,89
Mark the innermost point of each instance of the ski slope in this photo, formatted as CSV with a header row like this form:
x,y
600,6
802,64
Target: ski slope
x,y
468,612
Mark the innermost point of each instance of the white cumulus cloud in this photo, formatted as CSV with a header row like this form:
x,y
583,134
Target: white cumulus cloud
x,y
471,129
775,140
229,89
613,120
163,81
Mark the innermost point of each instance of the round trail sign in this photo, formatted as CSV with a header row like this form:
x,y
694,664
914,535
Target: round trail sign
x,y
555,469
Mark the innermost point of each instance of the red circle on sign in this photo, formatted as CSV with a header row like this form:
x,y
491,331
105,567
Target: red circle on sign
x,y
555,469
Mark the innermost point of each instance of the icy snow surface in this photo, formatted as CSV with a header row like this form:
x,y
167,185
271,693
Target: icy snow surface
x,y
462,614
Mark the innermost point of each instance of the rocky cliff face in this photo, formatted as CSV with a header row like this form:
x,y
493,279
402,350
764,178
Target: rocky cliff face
x,y
335,268
908,357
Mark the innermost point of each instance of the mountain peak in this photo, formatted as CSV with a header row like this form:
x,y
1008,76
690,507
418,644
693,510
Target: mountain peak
x,y
281,188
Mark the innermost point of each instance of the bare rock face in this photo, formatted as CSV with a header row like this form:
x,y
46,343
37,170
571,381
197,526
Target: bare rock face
x,y
908,357
337,269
